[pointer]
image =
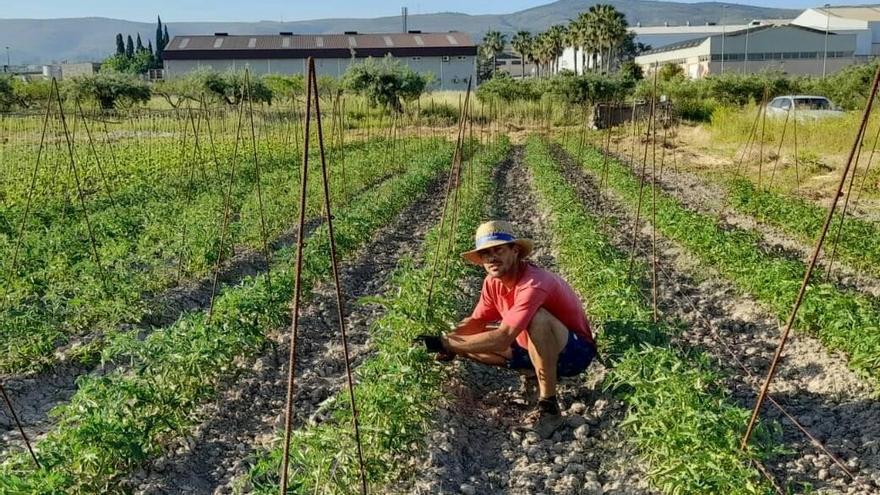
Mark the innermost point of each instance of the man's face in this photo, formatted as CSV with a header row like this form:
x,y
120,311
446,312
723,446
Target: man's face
x,y
499,260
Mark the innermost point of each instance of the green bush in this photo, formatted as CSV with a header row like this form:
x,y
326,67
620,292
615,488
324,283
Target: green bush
x,y
109,89
503,87
385,82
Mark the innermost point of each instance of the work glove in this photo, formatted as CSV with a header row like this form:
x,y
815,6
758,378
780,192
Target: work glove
x,y
432,343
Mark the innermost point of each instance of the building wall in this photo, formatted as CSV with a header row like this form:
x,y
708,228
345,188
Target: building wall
x,y
867,33
684,56
783,40
83,69
789,50
450,73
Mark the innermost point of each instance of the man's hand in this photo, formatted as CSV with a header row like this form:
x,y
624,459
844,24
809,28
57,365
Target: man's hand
x,y
432,343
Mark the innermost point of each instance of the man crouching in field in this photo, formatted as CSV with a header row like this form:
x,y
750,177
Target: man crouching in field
x,y
526,318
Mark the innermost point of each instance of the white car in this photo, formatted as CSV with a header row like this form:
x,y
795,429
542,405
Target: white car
x,y
805,107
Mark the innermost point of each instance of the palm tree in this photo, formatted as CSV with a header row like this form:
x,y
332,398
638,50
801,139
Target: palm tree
x,y
587,29
555,44
572,39
579,33
539,52
522,44
611,30
492,45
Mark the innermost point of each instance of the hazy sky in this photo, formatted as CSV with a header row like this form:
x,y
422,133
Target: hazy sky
x,y
238,10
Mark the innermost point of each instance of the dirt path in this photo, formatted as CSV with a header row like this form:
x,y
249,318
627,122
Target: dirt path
x,y
249,409
815,387
473,447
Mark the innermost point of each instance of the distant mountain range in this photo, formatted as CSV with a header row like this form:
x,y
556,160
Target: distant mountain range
x,y
35,41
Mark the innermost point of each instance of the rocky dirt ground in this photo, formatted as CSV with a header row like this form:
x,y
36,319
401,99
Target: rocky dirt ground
x,y
817,388
249,410
475,445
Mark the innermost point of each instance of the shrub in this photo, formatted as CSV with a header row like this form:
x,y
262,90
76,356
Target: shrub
x,y
109,89
385,82
503,87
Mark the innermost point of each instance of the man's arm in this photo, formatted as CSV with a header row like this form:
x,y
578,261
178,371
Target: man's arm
x,y
471,326
495,340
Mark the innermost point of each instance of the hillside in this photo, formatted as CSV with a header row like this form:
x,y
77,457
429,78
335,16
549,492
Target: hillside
x,y
48,40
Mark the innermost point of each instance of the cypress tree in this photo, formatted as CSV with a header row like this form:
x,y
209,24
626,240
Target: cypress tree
x,y
120,45
139,46
166,39
160,38
129,47
150,46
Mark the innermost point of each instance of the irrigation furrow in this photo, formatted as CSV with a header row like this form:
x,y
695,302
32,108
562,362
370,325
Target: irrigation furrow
x,y
474,446
249,409
703,196
817,388
37,394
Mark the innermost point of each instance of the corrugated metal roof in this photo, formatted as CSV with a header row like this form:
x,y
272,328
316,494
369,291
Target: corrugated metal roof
x,y
866,13
328,41
752,30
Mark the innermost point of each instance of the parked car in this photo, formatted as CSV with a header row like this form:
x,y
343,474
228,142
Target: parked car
x,y
805,107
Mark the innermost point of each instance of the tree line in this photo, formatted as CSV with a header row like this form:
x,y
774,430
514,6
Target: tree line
x,y
599,35
132,57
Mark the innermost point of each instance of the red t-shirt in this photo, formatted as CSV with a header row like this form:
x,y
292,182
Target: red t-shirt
x,y
536,288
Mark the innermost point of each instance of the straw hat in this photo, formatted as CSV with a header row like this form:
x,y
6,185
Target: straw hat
x,y
496,233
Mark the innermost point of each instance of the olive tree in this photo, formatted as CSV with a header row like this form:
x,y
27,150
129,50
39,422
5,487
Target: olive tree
x,y
109,89
385,82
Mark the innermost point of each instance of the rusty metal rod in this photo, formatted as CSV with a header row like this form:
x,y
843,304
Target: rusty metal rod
x,y
811,265
297,290
18,425
335,263
263,231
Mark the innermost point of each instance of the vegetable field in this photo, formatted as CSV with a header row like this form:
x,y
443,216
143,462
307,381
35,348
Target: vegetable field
x,y
176,285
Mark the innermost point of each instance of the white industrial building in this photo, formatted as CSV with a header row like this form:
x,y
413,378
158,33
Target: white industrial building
x,y
449,57
863,22
659,36
789,49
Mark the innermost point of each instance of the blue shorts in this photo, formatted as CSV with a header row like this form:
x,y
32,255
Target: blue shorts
x,y
573,360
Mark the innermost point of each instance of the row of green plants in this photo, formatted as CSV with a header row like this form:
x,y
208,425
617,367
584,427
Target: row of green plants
x,y
843,320
384,82
117,421
679,416
147,238
398,386
859,240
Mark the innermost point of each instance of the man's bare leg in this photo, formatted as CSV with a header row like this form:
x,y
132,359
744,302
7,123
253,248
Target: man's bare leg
x,y
547,338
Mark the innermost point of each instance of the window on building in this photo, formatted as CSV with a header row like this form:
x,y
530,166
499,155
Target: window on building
x,y
416,59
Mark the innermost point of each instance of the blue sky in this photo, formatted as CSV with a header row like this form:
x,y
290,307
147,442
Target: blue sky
x,y
238,10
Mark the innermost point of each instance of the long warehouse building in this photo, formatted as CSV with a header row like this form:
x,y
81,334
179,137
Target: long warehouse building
x,y
449,57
